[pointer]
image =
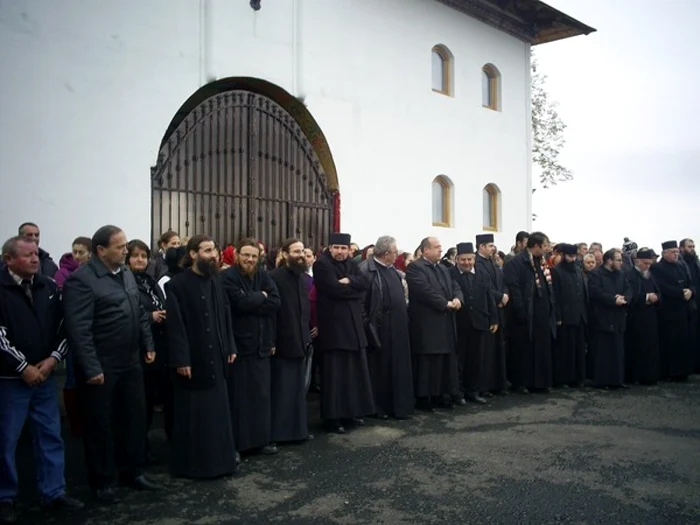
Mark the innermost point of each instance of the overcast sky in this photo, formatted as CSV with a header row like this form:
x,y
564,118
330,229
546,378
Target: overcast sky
x,y
630,95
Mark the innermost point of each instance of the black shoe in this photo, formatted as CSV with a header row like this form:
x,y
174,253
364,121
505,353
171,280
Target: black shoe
x,y
564,386
486,394
269,450
309,437
333,427
460,401
106,495
357,421
546,391
424,405
64,503
522,390
8,512
625,386
143,483
474,398
503,392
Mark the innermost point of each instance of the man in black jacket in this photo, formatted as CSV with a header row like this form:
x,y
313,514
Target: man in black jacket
x,y
292,344
690,257
571,297
31,345
47,267
106,326
477,318
254,303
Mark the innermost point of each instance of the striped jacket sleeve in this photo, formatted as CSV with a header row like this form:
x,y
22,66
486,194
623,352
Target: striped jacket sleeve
x,y
8,352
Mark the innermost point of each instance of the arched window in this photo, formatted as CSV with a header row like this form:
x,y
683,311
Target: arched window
x,y
442,201
491,87
442,66
492,199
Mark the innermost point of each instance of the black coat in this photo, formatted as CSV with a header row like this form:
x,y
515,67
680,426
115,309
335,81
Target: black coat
x,y
479,305
29,334
672,278
520,280
188,339
603,286
152,300
499,285
294,316
253,313
374,299
432,326
106,324
571,294
339,306
47,267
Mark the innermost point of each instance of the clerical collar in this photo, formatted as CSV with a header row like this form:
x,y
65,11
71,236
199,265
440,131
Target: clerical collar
x,y
472,271
18,279
483,256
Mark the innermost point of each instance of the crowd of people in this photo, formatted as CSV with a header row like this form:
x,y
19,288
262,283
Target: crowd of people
x,y
228,342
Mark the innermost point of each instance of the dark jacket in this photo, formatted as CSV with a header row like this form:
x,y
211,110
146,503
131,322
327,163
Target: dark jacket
x,y
293,322
47,267
672,278
374,299
29,334
638,299
571,294
499,286
157,266
479,305
520,280
253,314
339,306
190,343
153,299
432,325
603,286
105,321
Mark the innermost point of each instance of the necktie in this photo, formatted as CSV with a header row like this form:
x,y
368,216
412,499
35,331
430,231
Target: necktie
x,y
27,287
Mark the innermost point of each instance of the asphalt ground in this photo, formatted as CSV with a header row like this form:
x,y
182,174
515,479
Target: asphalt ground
x,y
571,457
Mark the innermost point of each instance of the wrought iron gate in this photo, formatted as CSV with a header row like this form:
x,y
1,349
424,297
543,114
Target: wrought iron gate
x,y
240,166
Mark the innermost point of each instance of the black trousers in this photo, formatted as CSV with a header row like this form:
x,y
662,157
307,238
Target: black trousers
x,y
114,426
159,391
470,350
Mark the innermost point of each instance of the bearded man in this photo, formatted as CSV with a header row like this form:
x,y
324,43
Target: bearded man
x,y
254,303
690,258
201,348
290,362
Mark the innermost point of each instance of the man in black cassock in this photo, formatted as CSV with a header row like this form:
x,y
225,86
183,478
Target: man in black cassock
x,y
531,316
201,348
389,350
254,302
642,332
434,298
292,346
477,318
609,292
690,257
346,395
493,372
675,313
571,298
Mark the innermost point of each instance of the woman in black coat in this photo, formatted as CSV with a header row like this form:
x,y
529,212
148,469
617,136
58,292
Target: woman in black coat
x,y
156,379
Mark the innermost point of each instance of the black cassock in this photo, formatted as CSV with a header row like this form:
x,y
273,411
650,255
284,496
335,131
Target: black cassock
x,y
288,365
347,390
253,319
569,349
675,317
432,329
642,332
693,264
493,370
608,323
390,364
531,322
200,336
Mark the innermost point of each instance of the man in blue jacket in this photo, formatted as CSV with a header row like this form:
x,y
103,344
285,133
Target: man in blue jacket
x,y
31,346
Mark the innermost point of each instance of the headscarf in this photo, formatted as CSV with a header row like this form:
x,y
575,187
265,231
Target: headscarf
x,y
229,255
400,263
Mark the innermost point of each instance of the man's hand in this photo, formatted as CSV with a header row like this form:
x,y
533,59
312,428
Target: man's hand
x,y
273,350
231,359
652,298
504,301
185,371
32,375
493,328
620,300
314,332
450,305
344,280
687,294
158,316
97,380
558,323
457,304
47,366
264,293
150,357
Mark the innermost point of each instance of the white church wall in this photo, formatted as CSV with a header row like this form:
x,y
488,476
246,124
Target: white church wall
x,y
88,90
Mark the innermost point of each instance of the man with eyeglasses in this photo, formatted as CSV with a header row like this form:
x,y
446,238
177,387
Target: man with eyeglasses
x,y
609,292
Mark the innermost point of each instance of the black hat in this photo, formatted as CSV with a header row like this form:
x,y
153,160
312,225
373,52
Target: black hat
x,y
646,253
669,244
567,249
557,247
484,238
341,239
465,248
629,246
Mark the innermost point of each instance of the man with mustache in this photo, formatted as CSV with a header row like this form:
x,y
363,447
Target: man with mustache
x,y
292,346
201,348
254,303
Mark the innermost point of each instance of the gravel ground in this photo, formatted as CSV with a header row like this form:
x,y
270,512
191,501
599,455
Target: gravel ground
x,y
573,456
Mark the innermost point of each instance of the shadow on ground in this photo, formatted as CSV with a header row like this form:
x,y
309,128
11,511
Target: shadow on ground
x,y
575,457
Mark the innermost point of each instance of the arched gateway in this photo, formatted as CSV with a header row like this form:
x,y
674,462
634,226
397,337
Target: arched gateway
x,y
243,158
